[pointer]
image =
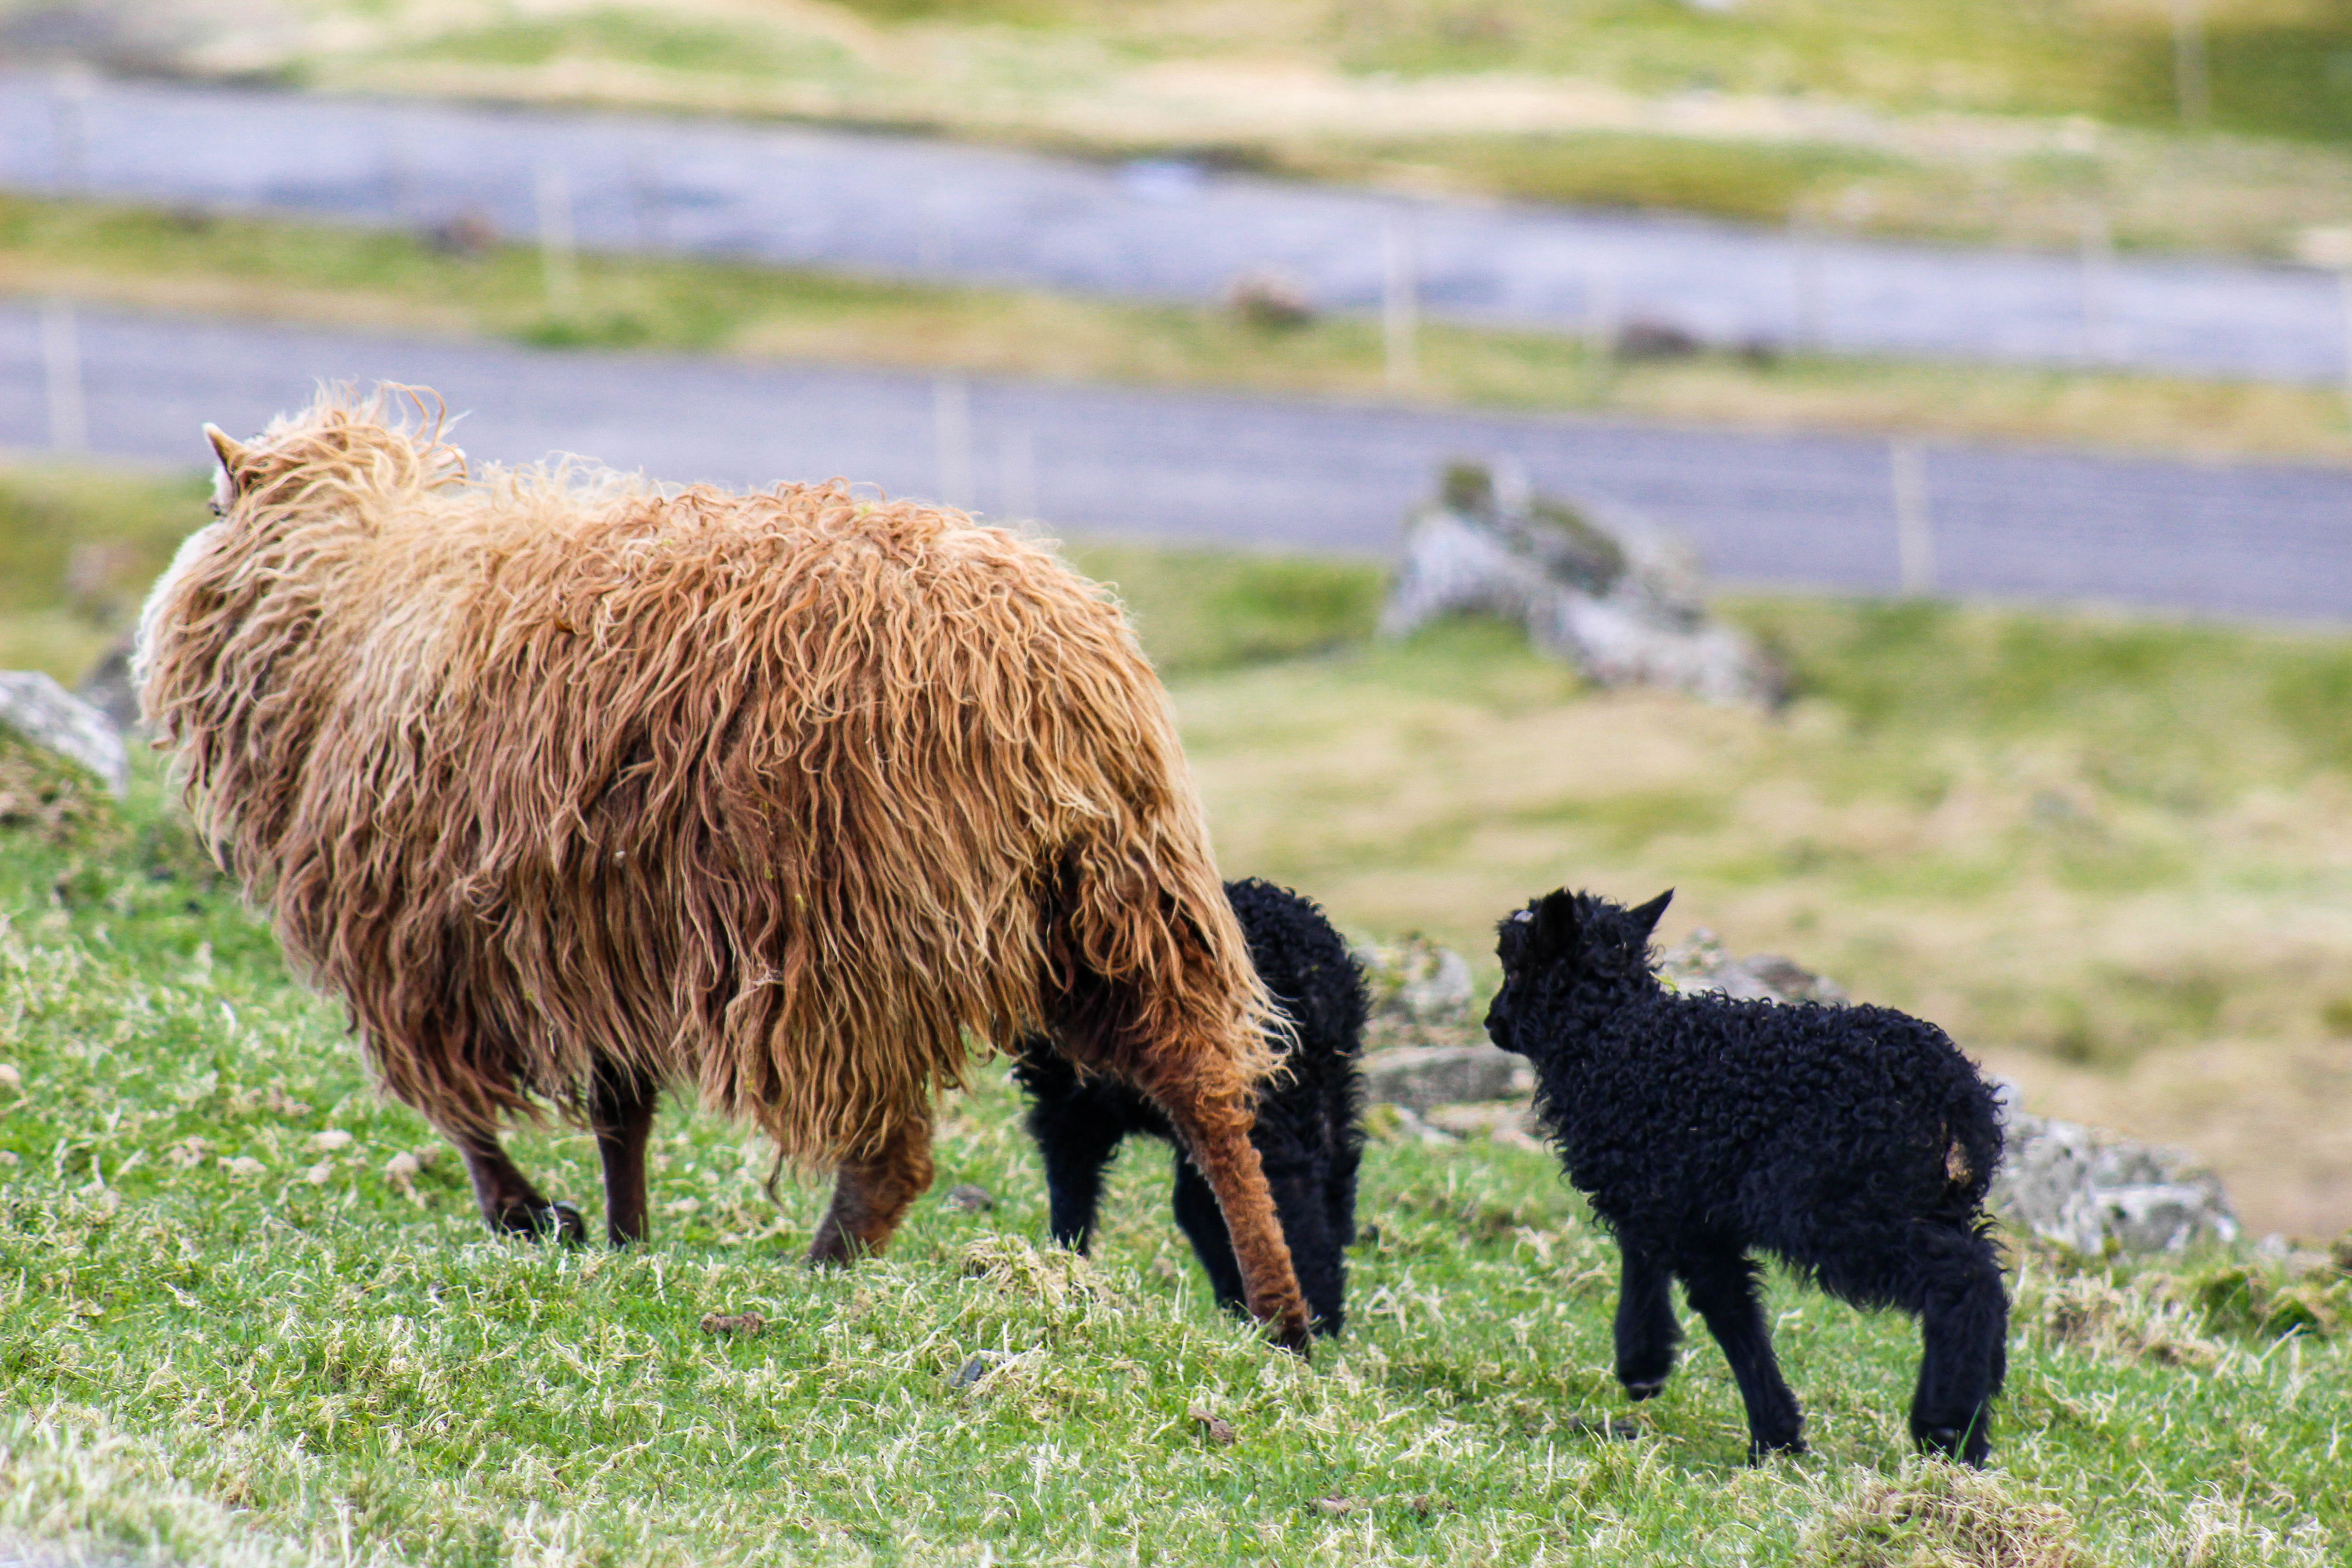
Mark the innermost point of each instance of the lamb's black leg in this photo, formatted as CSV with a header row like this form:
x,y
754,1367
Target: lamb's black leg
x,y
511,1205
1964,1327
1646,1330
621,1107
1204,1224
1075,1148
1722,1289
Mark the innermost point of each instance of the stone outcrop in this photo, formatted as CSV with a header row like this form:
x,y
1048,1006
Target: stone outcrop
x,y
1700,963
1616,599
2093,1192
107,686
1426,1047
37,710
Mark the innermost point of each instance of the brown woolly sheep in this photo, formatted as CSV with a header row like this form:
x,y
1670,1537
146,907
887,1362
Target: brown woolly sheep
x,y
574,790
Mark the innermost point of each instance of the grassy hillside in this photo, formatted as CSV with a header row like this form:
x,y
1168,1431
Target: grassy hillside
x,y
1971,118
240,1327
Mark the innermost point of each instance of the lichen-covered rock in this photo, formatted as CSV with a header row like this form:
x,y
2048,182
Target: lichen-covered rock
x,y
1421,1077
2094,1191
1617,600
107,686
1426,1043
40,712
1700,963
1415,980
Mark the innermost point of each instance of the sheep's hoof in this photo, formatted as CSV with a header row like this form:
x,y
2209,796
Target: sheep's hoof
x,y
1640,1391
559,1221
1760,1450
1952,1442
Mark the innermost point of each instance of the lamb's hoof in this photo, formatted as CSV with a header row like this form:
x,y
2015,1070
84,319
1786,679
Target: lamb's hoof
x,y
1760,1450
1637,1392
559,1222
1293,1334
1952,1442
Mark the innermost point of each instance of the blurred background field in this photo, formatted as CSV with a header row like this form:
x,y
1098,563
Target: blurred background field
x,y
1992,120
323,274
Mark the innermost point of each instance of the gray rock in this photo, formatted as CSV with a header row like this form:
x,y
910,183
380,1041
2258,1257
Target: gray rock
x,y
50,717
2093,1191
1615,598
1417,981
1420,1077
1701,964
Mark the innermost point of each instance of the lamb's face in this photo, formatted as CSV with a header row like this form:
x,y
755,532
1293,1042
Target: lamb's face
x,y
1556,943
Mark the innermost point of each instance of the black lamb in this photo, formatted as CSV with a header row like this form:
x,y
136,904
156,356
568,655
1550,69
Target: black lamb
x,y
1854,1143
1309,1132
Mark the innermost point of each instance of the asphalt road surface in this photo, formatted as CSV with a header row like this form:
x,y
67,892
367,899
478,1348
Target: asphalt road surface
x,y
908,207
2272,542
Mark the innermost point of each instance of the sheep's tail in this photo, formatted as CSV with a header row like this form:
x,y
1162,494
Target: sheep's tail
x,y
1973,1143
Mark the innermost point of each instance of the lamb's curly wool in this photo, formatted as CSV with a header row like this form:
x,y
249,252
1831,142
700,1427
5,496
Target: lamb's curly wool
x,y
573,788
1309,1130
1855,1144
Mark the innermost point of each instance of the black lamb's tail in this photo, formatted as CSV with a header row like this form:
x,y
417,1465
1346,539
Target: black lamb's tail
x,y
1973,1143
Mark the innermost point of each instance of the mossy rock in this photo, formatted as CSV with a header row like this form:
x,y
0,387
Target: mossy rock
x,y
45,795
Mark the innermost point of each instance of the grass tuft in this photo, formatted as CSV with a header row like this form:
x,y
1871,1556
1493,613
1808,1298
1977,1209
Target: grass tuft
x,y
2091,1313
1936,1515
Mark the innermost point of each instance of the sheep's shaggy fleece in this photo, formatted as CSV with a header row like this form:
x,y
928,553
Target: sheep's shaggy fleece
x,y
784,796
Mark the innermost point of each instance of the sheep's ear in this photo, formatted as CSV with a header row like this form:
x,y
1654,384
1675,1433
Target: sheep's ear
x,y
1556,924
1648,915
236,458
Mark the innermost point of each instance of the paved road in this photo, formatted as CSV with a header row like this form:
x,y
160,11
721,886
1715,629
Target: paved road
x,y
2262,540
903,207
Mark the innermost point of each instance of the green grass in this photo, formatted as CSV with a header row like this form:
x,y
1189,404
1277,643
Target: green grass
x,y
1759,181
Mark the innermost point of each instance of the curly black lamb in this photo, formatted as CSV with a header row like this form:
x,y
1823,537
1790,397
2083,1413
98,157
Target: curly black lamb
x,y
1855,1144
1310,1134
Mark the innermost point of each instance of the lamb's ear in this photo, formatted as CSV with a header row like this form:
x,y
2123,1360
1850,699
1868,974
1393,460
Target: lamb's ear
x,y
236,458
1556,925
1648,915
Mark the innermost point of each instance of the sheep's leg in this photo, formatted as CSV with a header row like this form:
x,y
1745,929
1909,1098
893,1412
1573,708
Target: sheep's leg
x,y
1204,1226
872,1194
1646,1330
1722,1289
1214,1129
511,1205
1964,1325
1302,1205
621,1110
1317,1255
